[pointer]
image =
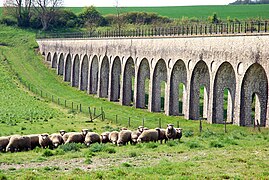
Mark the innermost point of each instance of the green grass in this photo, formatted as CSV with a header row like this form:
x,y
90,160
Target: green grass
x,y
223,11
242,153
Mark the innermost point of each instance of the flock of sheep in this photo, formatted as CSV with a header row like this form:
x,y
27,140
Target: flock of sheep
x,y
17,143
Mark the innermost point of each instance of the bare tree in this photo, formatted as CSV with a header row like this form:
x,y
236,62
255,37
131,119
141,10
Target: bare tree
x,y
20,9
46,10
119,18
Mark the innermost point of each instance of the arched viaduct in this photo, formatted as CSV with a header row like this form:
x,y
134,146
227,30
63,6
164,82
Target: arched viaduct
x,y
127,69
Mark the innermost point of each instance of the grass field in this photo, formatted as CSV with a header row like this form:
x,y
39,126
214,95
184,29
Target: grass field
x,y
200,12
242,153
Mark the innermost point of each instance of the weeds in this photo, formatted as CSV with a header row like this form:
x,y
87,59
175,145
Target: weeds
x,y
70,147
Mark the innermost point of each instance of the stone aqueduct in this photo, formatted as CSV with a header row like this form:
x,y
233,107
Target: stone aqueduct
x,y
117,69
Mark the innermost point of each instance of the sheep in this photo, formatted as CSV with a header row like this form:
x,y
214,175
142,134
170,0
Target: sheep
x,y
4,142
91,138
84,131
124,137
75,137
65,135
113,137
62,132
148,135
179,133
34,140
140,129
56,140
170,132
18,143
45,141
123,128
134,136
104,137
161,134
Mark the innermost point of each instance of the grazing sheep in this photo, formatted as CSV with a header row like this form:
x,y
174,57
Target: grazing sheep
x,y
162,135
134,136
66,135
56,140
4,142
34,140
148,135
62,132
18,143
124,137
179,133
45,141
91,138
84,131
75,137
170,132
113,137
140,129
104,137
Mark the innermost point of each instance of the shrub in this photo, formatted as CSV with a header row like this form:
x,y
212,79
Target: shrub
x,y
70,147
97,147
171,143
188,133
8,20
194,144
152,145
216,144
59,152
47,153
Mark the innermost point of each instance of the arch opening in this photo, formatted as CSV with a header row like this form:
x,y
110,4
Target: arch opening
x,y
115,79
67,72
104,78
49,57
159,87
75,72
254,96
177,89
224,94
143,80
94,70
200,83
128,82
61,65
84,74
54,61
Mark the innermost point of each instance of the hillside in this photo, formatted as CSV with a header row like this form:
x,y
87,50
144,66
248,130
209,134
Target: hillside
x,y
242,153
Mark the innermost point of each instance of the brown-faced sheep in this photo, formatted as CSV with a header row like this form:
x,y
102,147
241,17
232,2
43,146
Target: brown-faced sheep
x,y
170,132
18,143
105,137
34,140
45,141
113,137
148,135
179,133
162,136
56,139
3,143
134,136
124,137
92,137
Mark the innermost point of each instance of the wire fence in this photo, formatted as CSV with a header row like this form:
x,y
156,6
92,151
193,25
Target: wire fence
x,y
184,30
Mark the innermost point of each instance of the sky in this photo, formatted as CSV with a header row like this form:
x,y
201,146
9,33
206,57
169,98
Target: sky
x,y
126,3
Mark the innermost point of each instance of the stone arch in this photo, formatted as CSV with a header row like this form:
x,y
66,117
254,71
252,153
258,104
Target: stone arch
x,y
94,70
200,77
143,74
159,75
54,61
115,79
178,75
84,73
60,65
67,68
49,57
104,77
255,83
128,75
75,71
224,79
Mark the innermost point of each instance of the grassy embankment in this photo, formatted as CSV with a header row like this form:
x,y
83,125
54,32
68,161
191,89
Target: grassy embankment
x,y
241,153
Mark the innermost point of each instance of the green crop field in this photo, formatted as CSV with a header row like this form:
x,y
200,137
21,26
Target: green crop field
x,y
242,153
200,12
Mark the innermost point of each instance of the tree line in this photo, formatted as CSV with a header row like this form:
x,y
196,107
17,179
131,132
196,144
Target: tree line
x,y
49,14
251,2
